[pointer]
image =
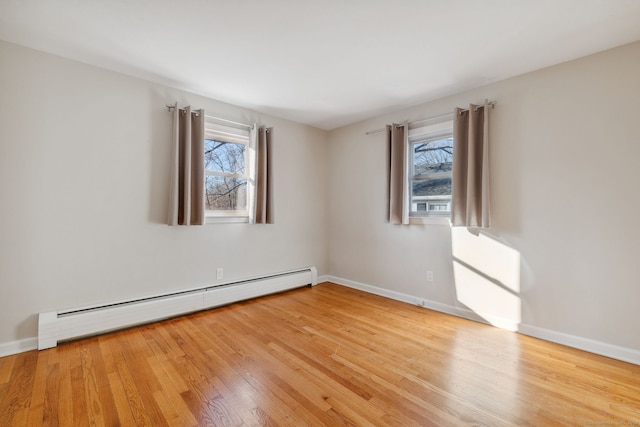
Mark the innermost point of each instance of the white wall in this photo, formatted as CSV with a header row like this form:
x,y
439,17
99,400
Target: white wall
x,y
83,195
84,157
562,255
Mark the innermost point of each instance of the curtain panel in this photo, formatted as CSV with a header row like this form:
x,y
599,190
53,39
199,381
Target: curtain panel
x,y
186,191
262,210
399,191
470,186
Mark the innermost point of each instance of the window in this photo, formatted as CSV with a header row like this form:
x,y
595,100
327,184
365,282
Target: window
x,y
227,167
431,160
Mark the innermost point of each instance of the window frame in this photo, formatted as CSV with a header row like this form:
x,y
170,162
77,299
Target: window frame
x,y
420,134
236,135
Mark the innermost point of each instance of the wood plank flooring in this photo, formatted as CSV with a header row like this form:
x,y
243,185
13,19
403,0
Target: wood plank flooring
x,y
318,356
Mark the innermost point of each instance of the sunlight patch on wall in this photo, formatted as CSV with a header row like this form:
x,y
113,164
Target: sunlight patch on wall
x,y
487,277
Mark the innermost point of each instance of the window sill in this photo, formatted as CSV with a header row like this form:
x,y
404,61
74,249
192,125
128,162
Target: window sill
x,y
226,219
426,220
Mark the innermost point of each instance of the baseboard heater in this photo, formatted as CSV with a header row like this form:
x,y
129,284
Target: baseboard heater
x,y
61,325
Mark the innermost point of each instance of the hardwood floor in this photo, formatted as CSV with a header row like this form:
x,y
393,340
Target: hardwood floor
x,y
326,355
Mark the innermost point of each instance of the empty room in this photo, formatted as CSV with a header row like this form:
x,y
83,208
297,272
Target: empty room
x,y
319,213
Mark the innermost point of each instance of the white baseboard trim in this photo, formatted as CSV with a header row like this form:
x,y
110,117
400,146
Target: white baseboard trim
x,y
421,302
324,278
592,346
597,347
373,289
586,344
19,346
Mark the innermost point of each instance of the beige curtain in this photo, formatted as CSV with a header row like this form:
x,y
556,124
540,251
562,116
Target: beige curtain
x,y
263,202
398,137
470,187
186,192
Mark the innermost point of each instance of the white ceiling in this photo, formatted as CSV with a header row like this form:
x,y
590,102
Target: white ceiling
x,y
325,63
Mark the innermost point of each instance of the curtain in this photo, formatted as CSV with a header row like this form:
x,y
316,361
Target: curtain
x,y
263,199
470,187
186,192
398,137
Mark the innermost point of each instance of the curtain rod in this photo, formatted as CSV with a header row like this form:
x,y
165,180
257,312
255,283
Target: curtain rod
x,y
441,116
171,107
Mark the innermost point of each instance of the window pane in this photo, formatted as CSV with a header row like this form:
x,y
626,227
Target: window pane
x,y
433,156
224,193
221,156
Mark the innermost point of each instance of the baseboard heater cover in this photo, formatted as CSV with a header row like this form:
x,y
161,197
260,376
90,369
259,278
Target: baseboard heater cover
x,y
61,325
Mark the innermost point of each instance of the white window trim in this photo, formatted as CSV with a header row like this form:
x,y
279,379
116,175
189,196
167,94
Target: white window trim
x,y
430,220
416,134
226,219
239,136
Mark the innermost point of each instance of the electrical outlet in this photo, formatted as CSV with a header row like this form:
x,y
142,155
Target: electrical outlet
x,y
429,276
219,273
